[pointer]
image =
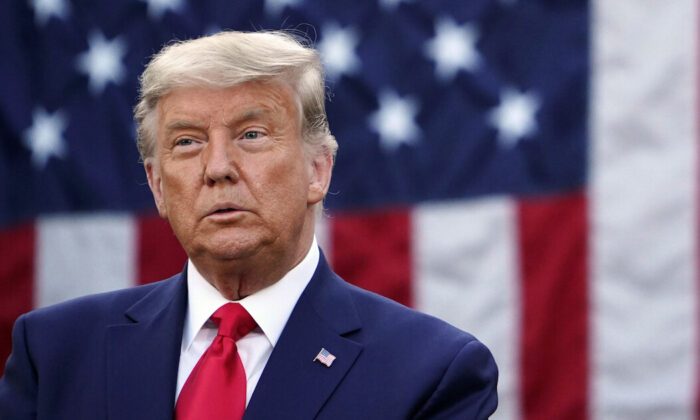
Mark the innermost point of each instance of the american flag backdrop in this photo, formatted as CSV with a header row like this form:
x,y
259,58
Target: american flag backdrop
x,y
524,169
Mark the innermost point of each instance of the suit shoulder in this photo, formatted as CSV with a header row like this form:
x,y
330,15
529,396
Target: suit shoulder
x,y
106,305
381,313
446,372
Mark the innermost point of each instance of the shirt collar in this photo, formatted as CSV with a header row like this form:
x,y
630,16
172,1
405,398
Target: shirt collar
x,y
269,307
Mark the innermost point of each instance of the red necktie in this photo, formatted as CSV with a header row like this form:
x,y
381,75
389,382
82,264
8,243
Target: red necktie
x,y
216,388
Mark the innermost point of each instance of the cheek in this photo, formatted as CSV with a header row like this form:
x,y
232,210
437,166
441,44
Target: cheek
x,y
295,180
178,192
282,188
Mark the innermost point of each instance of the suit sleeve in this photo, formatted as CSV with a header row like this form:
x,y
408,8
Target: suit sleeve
x,y
18,386
467,390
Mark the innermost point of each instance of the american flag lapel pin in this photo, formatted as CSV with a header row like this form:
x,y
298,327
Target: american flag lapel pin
x,y
324,357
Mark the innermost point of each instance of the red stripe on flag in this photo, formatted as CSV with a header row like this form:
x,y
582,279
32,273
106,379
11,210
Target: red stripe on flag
x,y
554,354
159,253
373,250
16,281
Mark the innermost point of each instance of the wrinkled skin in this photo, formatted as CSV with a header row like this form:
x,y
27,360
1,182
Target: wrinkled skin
x,y
238,186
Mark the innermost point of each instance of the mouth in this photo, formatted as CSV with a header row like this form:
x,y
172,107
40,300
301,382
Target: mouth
x,y
223,210
226,210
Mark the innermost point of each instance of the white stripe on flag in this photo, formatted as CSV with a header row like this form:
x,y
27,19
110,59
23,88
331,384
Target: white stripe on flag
x,y
322,231
83,254
465,269
643,201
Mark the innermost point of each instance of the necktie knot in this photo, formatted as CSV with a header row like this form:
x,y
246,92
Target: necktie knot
x,y
233,321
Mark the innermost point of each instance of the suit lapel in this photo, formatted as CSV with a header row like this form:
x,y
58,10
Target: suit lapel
x,y
292,382
143,354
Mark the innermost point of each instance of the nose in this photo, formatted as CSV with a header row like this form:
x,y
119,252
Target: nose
x,y
218,161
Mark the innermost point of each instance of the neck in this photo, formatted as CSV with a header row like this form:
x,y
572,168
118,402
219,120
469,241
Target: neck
x,y
236,279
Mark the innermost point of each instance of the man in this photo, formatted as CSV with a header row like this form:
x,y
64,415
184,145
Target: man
x,y
238,154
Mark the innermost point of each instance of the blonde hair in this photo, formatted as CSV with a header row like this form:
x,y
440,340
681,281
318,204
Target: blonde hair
x,y
229,58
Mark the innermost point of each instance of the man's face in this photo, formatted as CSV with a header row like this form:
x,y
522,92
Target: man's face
x,y
230,173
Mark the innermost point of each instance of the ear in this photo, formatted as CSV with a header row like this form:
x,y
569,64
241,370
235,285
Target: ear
x,y
154,182
320,178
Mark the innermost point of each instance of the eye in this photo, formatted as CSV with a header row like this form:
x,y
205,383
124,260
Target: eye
x,y
184,142
252,135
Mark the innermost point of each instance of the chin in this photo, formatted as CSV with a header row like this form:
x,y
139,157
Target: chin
x,y
233,248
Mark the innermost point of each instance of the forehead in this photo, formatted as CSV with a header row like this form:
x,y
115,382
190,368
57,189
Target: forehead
x,y
250,99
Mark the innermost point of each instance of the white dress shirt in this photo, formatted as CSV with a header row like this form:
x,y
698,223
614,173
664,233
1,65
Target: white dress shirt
x,y
269,307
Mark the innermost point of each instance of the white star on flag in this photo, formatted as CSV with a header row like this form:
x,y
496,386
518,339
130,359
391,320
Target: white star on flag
x,y
45,9
45,136
453,48
157,8
514,117
395,120
274,7
337,48
103,62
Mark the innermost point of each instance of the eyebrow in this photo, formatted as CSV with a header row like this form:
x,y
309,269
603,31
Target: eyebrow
x,y
242,117
184,124
248,115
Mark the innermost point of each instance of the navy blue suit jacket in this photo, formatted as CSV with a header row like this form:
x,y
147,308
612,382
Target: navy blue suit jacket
x,y
115,356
